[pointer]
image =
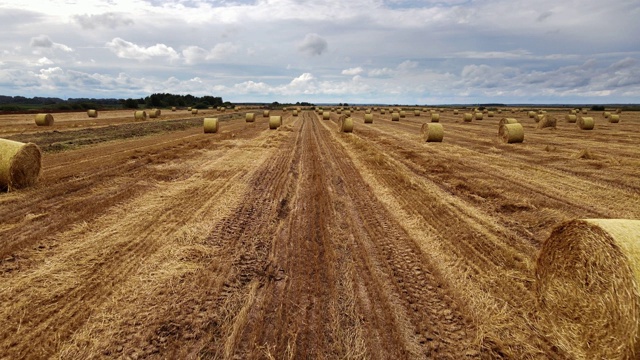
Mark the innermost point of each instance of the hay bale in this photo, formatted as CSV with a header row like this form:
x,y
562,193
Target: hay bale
x,y
432,132
339,111
467,117
194,111
345,124
532,114
383,111
250,117
92,113
395,116
571,118
504,121
478,115
584,111
587,288
153,113
368,118
210,125
326,115
140,115
511,133
455,112
416,112
275,122
547,122
20,164
368,111
490,114
347,112
173,108
586,123
435,117
618,111
539,117
44,119
295,112
189,108
606,114
614,118
403,113
265,113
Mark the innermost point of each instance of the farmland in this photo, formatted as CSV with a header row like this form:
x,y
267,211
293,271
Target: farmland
x,y
151,239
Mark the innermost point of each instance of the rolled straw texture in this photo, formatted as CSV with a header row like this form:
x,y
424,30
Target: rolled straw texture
x,y
44,119
210,125
432,132
511,133
586,123
20,164
587,288
275,122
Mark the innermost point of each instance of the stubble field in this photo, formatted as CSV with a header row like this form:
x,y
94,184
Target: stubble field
x,y
151,239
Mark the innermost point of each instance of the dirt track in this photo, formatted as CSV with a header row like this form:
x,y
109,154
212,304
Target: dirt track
x,y
301,242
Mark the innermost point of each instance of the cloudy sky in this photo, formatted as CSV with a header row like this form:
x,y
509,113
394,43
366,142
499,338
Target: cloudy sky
x,y
358,51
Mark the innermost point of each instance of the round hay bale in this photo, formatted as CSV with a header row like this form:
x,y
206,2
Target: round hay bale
x,y
587,288
467,117
511,133
189,108
275,122
250,117
614,118
478,116
210,125
326,115
173,108
403,113
194,111
586,123
92,113
395,116
339,111
383,111
547,122
606,114
435,117
573,111
455,112
584,111
44,119
490,114
504,121
368,118
432,132
265,113
416,112
571,118
532,114
295,112
368,111
618,111
20,164
347,112
153,113
140,115
345,124
539,117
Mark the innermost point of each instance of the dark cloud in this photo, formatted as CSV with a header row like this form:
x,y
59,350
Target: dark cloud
x,y
41,41
313,45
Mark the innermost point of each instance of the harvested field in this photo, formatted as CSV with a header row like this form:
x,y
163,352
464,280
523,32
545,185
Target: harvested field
x,y
150,239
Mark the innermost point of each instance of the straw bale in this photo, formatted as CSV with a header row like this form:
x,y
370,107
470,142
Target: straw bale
x,y
587,288
210,125
20,164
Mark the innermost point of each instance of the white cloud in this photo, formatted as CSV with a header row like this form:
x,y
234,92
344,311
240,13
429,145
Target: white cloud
x,y
128,50
313,45
43,41
353,71
222,50
110,20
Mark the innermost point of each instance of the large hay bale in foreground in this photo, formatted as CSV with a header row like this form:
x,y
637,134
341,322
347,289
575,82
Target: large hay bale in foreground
x,y
432,132
140,115
547,122
586,123
511,133
326,115
345,124
210,125
275,122
395,116
467,117
20,164
44,119
571,118
614,118
368,118
435,117
250,117
92,113
587,288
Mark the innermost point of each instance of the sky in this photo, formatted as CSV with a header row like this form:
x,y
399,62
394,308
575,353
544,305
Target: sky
x,y
358,51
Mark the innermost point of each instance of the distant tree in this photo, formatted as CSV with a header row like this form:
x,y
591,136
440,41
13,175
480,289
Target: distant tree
x,y
130,104
597,108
